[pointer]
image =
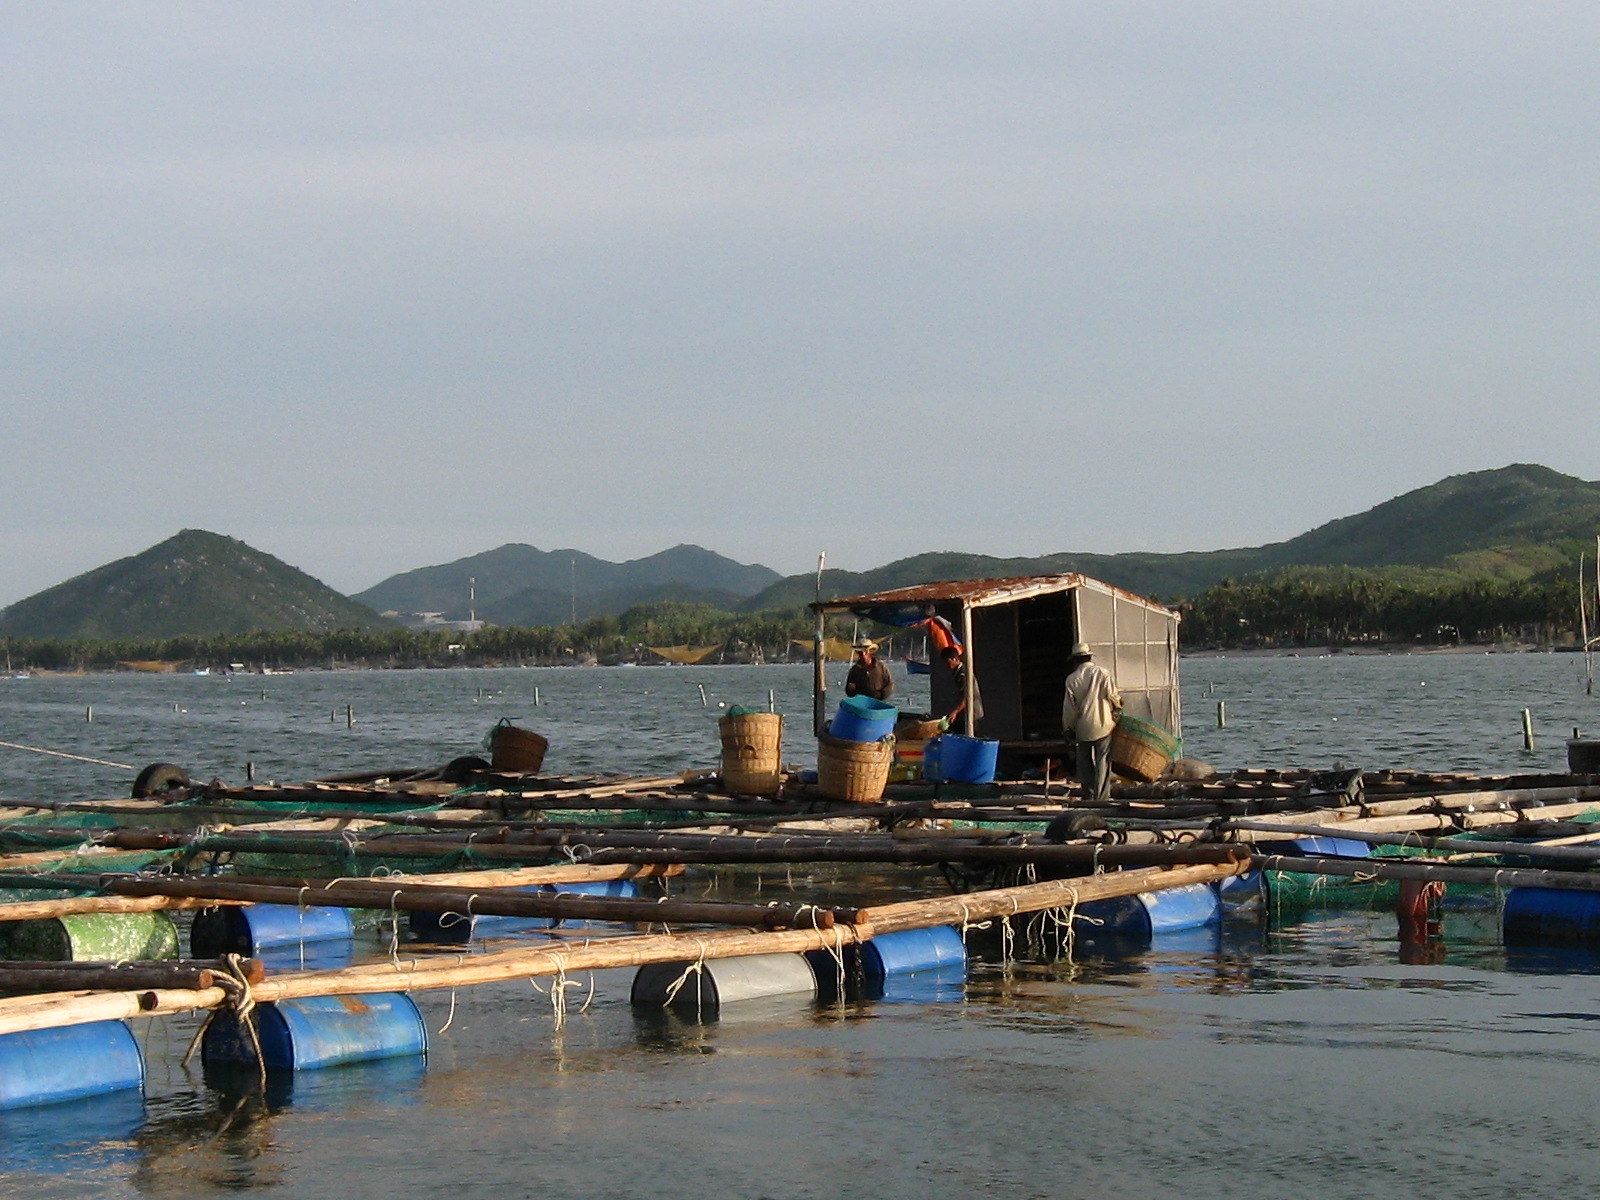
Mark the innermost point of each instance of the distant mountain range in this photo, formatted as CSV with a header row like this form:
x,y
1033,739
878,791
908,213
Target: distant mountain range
x,y
518,584
193,583
1516,522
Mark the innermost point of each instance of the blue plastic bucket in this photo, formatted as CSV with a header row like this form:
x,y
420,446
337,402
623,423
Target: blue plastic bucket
x,y
246,929
955,758
44,1066
863,719
320,1031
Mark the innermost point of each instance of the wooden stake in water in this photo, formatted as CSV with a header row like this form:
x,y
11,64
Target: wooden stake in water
x,y
349,716
1222,714
250,771
88,715
772,701
536,697
1527,730
704,703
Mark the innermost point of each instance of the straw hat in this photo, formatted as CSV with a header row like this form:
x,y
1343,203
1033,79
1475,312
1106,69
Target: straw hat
x,y
865,644
1081,650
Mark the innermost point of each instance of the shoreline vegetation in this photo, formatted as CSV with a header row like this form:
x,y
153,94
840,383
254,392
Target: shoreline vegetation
x,y
1307,613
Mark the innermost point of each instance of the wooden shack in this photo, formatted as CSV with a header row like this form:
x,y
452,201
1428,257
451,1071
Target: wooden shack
x,y
1018,635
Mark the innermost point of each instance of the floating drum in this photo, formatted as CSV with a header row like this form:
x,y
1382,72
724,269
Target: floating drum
x,y
92,937
519,751
458,928
913,950
1583,756
45,1066
1142,749
705,986
955,758
1551,915
247,929
751,753
319,1031
856,772
1170,909
863,719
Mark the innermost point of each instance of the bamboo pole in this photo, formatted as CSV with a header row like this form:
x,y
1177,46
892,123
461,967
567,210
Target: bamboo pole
x,y
1443,845
489,902
1387,868
41,910
73,1008
33,910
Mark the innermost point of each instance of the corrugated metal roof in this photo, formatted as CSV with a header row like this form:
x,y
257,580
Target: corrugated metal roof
x,y
981,593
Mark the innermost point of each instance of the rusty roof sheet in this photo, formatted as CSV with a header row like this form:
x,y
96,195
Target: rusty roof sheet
x,y
980,593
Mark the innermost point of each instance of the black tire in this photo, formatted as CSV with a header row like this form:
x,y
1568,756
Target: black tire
x,y
159,778
1072,826
460,770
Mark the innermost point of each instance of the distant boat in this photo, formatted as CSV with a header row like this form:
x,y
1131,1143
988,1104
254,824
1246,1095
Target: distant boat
x,y
915,666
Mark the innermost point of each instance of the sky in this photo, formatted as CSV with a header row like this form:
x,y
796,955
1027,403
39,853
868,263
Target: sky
x,y
373,287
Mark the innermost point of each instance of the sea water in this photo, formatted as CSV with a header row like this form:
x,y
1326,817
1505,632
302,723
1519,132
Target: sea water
x,y
1305,1056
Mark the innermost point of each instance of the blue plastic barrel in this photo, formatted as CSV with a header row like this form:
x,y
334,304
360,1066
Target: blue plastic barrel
x,y
44,1066
457,928
863,719
1551,915
955,758
1239,892
702,988
913,950
320,1031
245,929
1328,847
1148,913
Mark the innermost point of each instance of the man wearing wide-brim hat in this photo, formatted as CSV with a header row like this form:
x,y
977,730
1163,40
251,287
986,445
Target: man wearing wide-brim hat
x,y
868,676
1089,717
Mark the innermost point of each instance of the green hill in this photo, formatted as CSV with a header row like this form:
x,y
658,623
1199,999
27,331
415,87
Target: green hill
x,y
520,584
1512,523
195,583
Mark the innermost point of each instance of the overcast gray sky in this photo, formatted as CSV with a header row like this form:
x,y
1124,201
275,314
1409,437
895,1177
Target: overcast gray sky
x,y
373,286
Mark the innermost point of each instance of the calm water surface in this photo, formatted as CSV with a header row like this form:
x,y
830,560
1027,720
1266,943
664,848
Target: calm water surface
x,y
1300,1058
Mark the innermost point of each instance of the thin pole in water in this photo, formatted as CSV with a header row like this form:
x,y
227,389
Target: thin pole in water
x,y
1222,714
249,770
536,697
704,703
1527,730
88,715
349,716
772,701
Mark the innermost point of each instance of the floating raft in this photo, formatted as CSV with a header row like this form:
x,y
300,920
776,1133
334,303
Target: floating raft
x,y
283,879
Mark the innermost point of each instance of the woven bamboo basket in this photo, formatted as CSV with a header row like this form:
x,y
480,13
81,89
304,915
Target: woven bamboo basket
x,y
856,772
520,751
752,751
1142,749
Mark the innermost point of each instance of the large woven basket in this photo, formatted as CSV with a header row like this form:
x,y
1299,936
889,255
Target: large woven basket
x,y
519,751
856,772
752,751
1142,749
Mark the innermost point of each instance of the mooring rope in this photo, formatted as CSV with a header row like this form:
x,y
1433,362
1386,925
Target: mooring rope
x,y
99,762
